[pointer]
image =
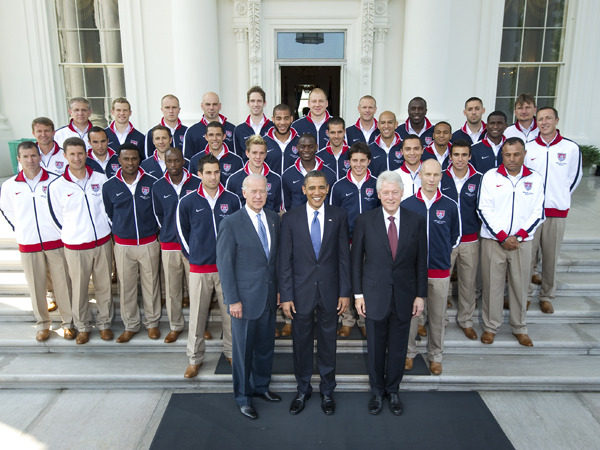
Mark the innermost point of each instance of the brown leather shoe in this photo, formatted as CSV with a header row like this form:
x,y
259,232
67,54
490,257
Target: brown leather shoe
x,y
106,334
470,333
192,370
408,363
207,335
69,334
163,301
505,305
363,331
536,279
42,335
172,336
528,304
114,278
185,302
277,332
435,368
126,336
229,360
82,337
449,305
546,307
422,331
487,337
344,331
523,339
153,333
286,330
52,306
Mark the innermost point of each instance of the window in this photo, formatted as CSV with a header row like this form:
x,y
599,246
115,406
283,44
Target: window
x,y
90,53
310,45
531,53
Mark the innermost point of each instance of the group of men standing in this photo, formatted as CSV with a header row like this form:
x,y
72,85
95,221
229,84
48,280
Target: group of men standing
x,y
374,218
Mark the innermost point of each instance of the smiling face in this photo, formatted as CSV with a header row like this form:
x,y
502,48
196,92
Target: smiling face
x,y
390,195
317,102
307,148
525,111
367,109
121,112
44,134
214,137
387,124
210,175
359,162
99,143
80,113
174,162
130,161
460,156
417,111
412,150
315,189
76,156
442,135
513,156
30,159
211,105
282,119
256,154
256,104
336,133
547,123
495,126
162,140
255,193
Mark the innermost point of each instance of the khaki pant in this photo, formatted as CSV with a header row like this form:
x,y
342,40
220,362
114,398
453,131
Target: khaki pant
x,y
176,268
548,239
495,263
350,317
138,262
94,262
437,301
466,258
53,263
202,286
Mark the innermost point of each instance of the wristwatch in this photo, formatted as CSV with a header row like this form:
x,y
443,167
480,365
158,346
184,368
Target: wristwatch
x,y
519,238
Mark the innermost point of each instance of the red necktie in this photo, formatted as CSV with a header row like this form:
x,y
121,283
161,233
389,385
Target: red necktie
x,y
393,236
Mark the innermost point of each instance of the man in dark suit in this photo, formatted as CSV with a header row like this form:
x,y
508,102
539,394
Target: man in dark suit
x,y
389,280
314,278
247,246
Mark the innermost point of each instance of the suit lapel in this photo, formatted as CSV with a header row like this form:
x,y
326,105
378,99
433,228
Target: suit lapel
x,y
306,232
253,234
381,228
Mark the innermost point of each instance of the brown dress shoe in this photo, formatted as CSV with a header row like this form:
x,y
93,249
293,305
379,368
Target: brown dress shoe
x,y
528,304
113,278
42,335
487,337
408,363
153,333
163,301
207,335
546,307
69,334
52,306
126,336
523,339
185,302
435,368
82,337
277,332
536,279
363,331
449,305
344,331
470,333
172,336
192,370
286,330
422,331
505,305
229,360
106,334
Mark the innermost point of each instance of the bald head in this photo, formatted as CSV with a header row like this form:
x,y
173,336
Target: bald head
x,y
387,124
211,105
431,174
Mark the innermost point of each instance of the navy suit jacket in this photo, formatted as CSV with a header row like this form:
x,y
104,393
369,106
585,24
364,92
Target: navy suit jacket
x,y
245,272
301,275
382,280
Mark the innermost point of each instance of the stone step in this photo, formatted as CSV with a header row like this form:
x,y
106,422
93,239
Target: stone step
x,y
566,310
150,371
556,339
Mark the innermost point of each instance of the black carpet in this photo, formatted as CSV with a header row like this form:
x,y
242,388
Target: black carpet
x,y
346,364
431,420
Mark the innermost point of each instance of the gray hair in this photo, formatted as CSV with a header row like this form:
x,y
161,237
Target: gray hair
x,y
250,177
389,177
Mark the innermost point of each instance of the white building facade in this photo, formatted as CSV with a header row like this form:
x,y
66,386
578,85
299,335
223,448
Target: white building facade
x,y
442,50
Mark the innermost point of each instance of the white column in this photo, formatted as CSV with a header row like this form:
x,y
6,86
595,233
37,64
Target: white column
x,y
379,72
241,47
195,53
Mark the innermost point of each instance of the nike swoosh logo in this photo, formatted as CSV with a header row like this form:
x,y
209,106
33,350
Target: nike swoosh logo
x,y
377,156
119,193
445,188
498,185
531,159
166,196
68,195
348,195
201,209
485,157
296,181
17,193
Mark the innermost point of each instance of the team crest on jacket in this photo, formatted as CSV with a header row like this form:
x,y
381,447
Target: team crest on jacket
x,y
268,187
226,167
95,187
59,164
294,150
346,164
114,167
471,187
44,189
145,190
562,156
428,141
228,134
134,142
187,191
398,154
440,213
369,192
527,185
224,208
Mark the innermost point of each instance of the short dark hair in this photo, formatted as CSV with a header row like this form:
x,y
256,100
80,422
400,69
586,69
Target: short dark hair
x,y
310,136
549,107
208,159
74,142
525,98
498,113
282,107
412,136
336,121
512,141
359,147
461,143
315,174
128,146
258,90
25,145
442,122
42,121
216,124
163,128
174,150
418,99
473,99
96,129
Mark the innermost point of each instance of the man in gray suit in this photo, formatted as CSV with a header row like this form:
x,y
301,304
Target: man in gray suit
x,y
247,246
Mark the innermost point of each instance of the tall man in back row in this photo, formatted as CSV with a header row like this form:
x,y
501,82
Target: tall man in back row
x,y
316,120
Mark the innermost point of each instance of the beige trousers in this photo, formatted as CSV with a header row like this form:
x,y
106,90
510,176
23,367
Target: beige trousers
x,y
176,269
548,239
466,258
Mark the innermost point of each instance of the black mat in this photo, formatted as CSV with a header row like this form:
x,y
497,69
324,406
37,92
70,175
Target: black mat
x,y
431,420
355,334
346,364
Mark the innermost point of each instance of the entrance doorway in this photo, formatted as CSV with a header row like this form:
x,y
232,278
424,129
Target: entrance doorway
x,y
296,81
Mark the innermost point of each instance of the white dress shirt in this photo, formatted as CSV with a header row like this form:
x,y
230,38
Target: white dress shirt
x,y
263,219
310,213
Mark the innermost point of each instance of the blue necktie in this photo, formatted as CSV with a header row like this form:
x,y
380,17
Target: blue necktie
x,y
262,234
315,234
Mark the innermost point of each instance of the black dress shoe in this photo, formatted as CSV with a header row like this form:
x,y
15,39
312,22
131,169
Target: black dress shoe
x,y
269,396
298,403
396,406
327,404
249,412
375,404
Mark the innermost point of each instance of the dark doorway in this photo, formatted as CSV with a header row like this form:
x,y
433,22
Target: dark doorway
x,y
296,79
